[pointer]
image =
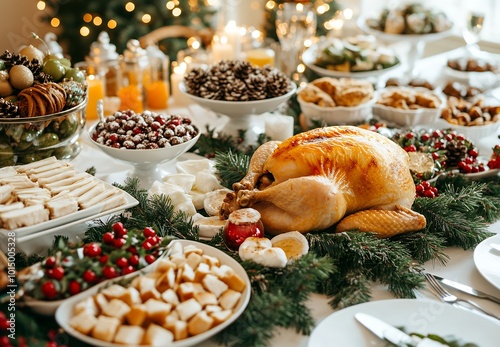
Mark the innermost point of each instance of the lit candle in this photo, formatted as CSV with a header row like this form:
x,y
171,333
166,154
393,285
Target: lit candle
x,y
95,89
221,49
175,79
278,127
233,34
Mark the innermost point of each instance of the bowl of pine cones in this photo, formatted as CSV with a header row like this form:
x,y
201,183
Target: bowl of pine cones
x,y
236,88
42,107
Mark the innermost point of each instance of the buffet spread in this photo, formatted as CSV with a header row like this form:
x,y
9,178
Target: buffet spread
x,y
215,241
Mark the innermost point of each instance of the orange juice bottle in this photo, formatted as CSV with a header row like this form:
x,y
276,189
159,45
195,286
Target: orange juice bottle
x,y
95,90
133,67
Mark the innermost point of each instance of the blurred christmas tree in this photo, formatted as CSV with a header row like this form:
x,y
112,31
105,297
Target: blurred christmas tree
x,y
326,10
81,21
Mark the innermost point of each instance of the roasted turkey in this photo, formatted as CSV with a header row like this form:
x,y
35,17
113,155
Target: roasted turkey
x,y
343,175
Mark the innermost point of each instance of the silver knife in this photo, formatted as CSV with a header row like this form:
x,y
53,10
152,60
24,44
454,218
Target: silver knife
x,y
389,333
467,289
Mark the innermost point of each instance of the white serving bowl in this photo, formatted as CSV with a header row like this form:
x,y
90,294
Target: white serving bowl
x,y
474,133
338,114
408,118
146,162
235,109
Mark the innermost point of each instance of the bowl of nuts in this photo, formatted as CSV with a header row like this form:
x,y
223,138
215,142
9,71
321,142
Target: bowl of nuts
x,y
146,140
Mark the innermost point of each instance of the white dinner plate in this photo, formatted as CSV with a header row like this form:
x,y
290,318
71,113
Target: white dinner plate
x,y
423,316
64,312
487,260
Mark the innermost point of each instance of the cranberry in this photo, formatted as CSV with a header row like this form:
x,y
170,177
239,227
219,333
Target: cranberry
x,y
74,287
92,249
56,273
147,245
119,229
119,243
121,262
49,290
410,148
425,137
419,188
149,258
133,260
153,240
473,152
409,135
109,272
429,194
128,270
437,134
50,262
460,137
132,249
148,232
89,276
435,155
103,259
108,237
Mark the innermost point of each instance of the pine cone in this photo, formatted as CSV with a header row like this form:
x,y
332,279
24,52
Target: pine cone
x,y
34,65
456,150
211,91
8,109
194,80
75,92
236,91
243,69
256,87
277,84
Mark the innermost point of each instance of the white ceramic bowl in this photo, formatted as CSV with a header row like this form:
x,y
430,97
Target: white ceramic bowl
x,y
65,311
145,156
235,109
408,118
474,133
338,114
309,57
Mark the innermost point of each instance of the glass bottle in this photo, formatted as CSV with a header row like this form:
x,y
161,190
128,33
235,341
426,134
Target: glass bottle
x,y
134,70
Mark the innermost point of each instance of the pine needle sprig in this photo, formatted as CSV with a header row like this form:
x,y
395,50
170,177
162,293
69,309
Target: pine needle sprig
x,y
424,246
231,167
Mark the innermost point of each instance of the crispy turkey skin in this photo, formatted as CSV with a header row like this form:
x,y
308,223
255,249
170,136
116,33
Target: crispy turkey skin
x,y
315,179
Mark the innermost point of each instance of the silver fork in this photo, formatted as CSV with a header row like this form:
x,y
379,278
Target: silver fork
x,y
449,298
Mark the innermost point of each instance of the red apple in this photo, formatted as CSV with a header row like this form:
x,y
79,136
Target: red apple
x,y
241,224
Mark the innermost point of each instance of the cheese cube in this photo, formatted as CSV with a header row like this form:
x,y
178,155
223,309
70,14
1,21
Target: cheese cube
x,y
188,309
157,310
105,328
180,330
116,308
137,315
229,299
129,335
221,316
83,322
200,323
214,285
157,336
205,298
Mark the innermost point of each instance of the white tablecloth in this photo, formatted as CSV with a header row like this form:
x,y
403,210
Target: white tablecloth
x,y
460,266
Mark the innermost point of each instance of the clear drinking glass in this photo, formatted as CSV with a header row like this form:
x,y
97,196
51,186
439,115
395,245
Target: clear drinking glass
x,y
473,26
295,23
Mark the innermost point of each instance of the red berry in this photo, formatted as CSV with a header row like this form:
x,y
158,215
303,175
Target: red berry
x,y
437,134
425,184
119,243
57,273
128,270
149,258
133,260
49,290
119,229
469,160
473,152
74,287
429,194
419,188
148,232
103,259
460,137
147,245
50,262
92,249
425,137
109,272
89,276
438,145
435,155
153,240
410,148
122,262
449,137
108,237
4,325
467,168
409,135
51,344
132,249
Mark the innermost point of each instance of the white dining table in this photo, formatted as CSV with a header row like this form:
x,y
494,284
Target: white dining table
x,y
460,267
